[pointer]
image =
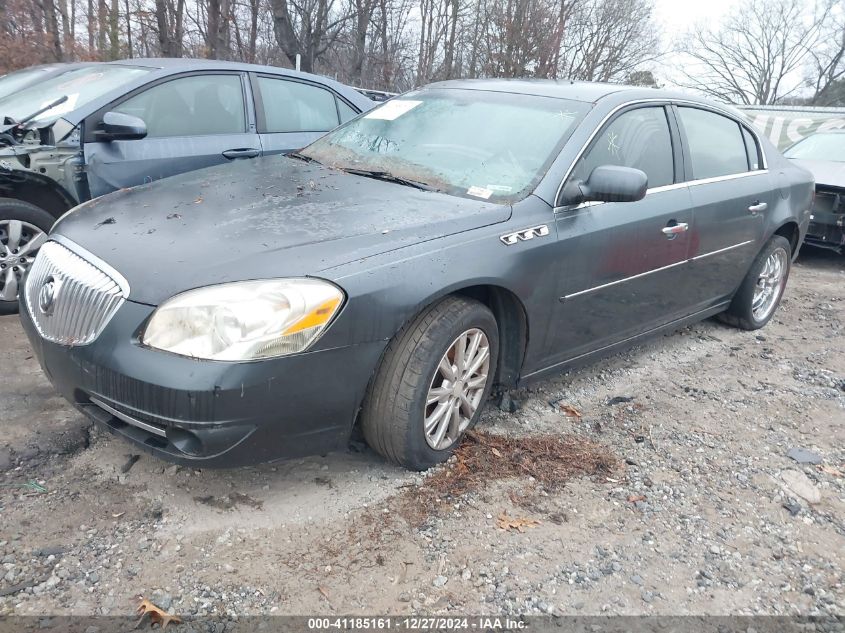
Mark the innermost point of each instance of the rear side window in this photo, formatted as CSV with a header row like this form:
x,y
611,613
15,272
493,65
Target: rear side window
x,y
715,142
190,106
293,106
637,138
752,150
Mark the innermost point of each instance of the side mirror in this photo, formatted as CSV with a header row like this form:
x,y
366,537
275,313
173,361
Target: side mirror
x,y
608,183
117,126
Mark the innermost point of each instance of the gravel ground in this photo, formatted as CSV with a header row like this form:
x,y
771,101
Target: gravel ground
x,y
707,513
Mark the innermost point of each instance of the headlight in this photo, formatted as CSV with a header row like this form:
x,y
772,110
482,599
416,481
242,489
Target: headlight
x,y
245,320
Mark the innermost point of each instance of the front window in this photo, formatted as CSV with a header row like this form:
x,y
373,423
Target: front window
x,y
477,144
819,147
79,86
198,105
638,138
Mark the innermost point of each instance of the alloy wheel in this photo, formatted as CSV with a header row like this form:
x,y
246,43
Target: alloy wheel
x,y
456,389
769,285
19,242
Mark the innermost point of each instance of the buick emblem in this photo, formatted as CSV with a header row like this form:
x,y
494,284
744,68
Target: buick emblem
x,y
47,295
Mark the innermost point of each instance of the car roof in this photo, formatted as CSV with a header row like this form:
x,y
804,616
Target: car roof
x,y
586,91
171,65
558,88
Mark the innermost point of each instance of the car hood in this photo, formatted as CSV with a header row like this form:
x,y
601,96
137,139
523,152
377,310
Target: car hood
x,y
827,173
255,219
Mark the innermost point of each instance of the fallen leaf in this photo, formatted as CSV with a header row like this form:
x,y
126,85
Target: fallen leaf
x,y
569,410
324,592
830,470
118,515
518,524
157,615
635,498
496,452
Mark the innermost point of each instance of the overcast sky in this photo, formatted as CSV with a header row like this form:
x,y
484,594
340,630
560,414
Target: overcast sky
x,y
677,17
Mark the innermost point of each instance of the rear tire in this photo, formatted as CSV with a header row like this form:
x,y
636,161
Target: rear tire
x,y
759,295
417,394
23,227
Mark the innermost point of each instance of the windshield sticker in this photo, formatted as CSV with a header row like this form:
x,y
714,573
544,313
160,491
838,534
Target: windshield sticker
x,y
479,192
393,109
500,188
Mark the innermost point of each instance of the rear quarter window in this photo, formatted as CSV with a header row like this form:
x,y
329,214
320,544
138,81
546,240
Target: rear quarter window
x,y
752,149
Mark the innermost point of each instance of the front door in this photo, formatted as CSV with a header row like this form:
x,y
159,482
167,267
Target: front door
x,y
731,192
623,266
193,121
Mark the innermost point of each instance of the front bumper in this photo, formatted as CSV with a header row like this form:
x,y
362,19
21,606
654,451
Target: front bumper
x,y
827,230
827,222
208,413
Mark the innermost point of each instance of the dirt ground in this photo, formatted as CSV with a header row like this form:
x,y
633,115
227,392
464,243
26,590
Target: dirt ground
x,y
691,504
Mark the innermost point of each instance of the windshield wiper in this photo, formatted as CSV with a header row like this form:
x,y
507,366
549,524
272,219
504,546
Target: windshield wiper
x,y
49,106
303,157
9,123
388,177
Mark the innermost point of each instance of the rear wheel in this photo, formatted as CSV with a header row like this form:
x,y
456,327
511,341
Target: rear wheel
x,y
23,229
759,295
432,383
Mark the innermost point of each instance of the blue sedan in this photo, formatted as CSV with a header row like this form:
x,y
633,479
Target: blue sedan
x,y
102,127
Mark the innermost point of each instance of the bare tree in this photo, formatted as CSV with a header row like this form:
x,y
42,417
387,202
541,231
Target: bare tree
x,y
756,54
169,22
606,40
51,26
307,28
218,32
827,60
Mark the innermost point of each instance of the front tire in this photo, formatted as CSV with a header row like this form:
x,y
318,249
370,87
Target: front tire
x,y
23,229
759,295
432,384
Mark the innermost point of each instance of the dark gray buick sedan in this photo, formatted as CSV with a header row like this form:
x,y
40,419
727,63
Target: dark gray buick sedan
x,y
465,237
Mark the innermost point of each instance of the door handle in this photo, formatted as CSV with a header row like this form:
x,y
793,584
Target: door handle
x,y
673,230
758,207
244,152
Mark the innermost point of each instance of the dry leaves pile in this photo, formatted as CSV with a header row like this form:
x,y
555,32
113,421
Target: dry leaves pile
x,y
482,457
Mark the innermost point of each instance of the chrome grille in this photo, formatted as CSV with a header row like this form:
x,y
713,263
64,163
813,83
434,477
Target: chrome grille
x,y
70,298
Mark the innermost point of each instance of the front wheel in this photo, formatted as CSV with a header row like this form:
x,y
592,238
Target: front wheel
x,y
23,229
759,295
432,383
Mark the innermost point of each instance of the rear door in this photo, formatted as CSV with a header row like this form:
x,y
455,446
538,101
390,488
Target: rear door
x,y
193,121
292,113
623,265
731,191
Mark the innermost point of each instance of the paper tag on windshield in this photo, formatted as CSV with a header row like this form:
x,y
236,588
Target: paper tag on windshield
x,y
479,192
392,109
